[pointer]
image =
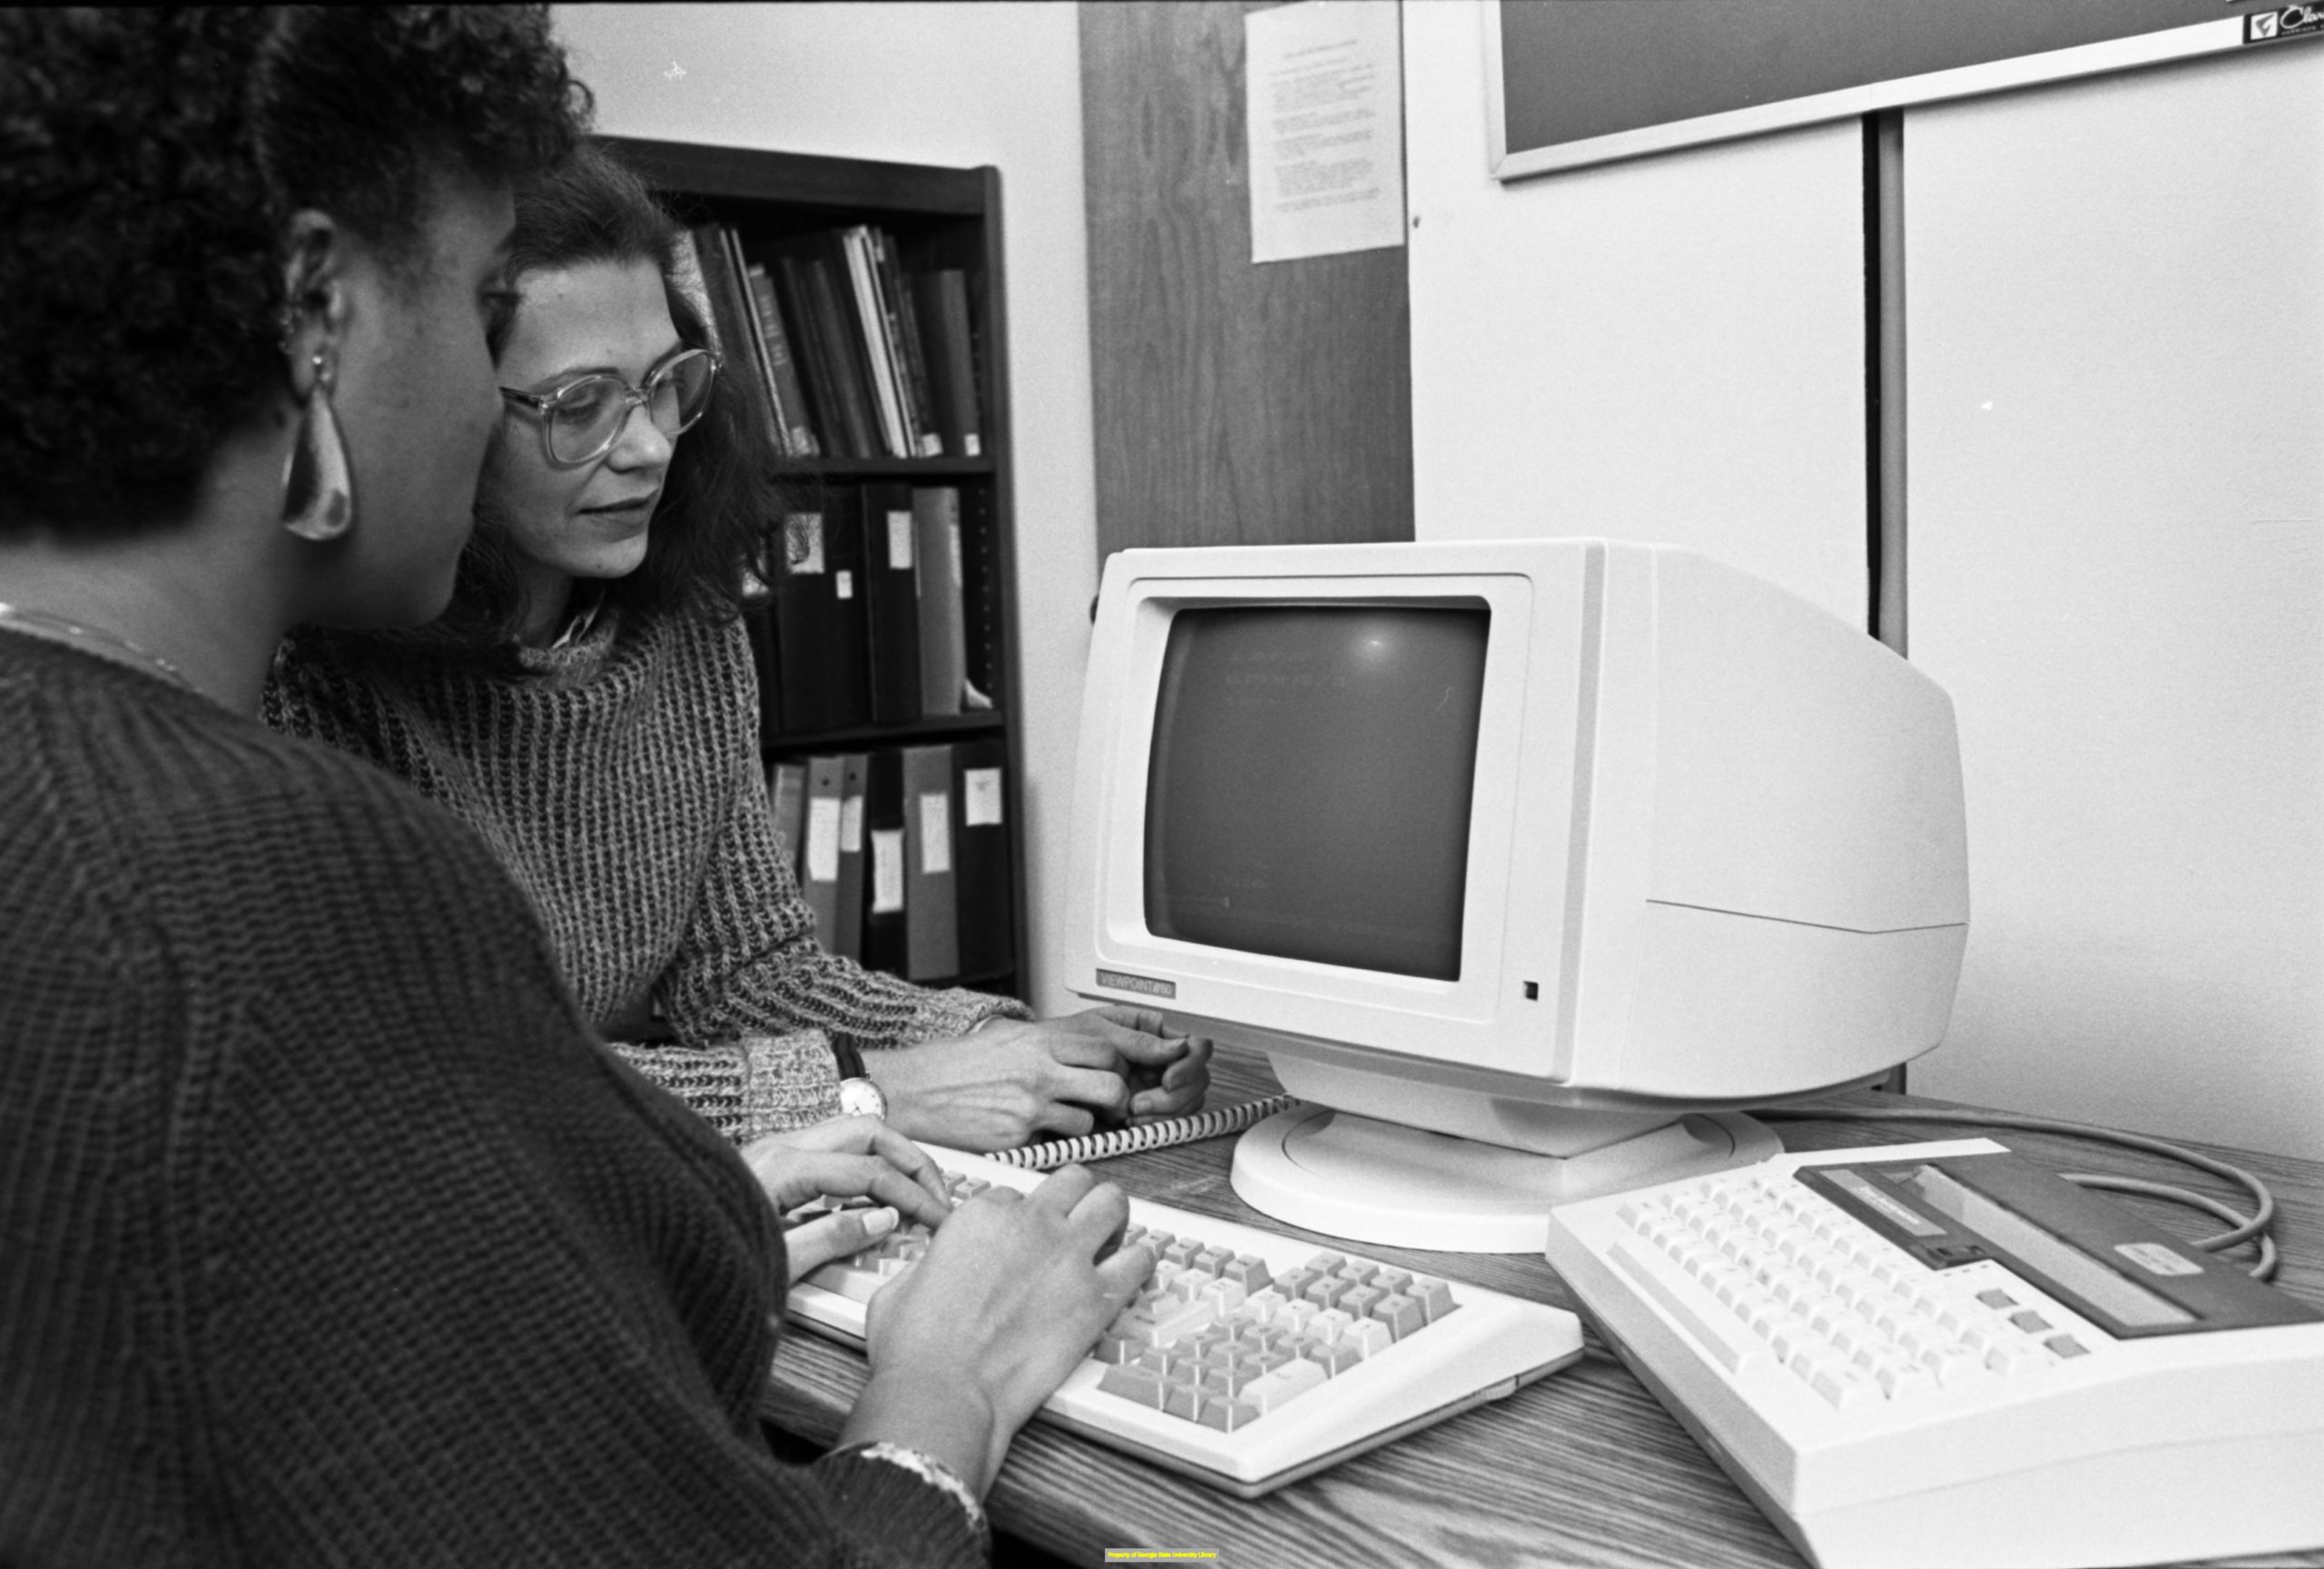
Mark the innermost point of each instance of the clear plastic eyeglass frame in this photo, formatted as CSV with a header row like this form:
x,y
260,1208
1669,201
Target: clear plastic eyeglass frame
x,y
581,421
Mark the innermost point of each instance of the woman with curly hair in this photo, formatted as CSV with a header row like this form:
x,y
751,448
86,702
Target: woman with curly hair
x,y
332,1233
589,706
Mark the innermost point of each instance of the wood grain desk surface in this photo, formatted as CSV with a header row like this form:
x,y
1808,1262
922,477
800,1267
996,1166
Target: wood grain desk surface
x,y
1583,1467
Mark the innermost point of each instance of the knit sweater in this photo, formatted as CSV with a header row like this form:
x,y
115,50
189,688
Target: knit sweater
x,y
617,777
328,1232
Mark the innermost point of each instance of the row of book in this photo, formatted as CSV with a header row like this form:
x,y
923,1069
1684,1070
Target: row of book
x,y
878,610
856,357
903,855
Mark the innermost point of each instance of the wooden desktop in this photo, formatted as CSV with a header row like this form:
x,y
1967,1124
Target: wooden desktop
x,y
1583,1467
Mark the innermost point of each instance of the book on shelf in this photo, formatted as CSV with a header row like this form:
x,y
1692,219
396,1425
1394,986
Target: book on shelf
x,y
885,879
819,264
943,636
931,935
911,349
731,328
984,880
940,301
795,303
819,616
872,328
819,857
847,934
788,394
891,602
786,799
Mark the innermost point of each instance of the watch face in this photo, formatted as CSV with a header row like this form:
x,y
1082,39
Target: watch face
x,y
862,1098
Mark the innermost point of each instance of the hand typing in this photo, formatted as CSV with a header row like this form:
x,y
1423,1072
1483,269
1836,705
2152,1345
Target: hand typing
x,y
1011,1295
845,1158
1015,1080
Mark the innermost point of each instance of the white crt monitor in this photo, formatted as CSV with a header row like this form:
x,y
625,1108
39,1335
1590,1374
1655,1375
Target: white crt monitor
x,y
1527,861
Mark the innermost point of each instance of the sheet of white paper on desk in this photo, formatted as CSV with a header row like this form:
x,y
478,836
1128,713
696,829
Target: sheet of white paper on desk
x,y
1323,107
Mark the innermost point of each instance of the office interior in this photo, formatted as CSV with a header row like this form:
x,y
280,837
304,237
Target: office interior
x,y
2113,361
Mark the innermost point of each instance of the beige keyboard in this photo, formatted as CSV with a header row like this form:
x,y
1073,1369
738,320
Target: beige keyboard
x,y
1251,1359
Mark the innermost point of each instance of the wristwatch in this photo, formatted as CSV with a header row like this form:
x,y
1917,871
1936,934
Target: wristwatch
x,y
858,1095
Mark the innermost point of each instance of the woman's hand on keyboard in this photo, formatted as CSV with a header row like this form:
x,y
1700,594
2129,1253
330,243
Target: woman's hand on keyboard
x,y
846,1158
1014,1081
1011,1297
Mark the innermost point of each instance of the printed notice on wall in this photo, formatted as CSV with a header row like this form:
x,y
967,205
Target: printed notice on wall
x,y
1323,99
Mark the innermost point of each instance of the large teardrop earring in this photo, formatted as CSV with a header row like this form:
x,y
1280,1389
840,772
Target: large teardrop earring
x,y
318,494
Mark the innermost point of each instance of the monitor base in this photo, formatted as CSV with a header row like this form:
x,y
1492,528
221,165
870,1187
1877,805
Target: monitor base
x,y
1371,1181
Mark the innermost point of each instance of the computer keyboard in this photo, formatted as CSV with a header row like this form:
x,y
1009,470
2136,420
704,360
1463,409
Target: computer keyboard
x,y
1251,1359
1942,1353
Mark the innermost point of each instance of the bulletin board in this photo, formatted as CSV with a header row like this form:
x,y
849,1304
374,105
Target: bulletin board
x,y
1579,81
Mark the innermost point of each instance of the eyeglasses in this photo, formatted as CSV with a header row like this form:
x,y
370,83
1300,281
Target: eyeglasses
x,y
581,421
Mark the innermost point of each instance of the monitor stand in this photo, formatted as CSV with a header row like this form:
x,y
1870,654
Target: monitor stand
x,y
1393,1186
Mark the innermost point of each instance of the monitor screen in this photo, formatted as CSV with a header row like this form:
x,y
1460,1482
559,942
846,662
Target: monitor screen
x,y
1309,783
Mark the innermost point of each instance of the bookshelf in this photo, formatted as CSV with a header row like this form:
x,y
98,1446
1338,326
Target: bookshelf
x,y
777,205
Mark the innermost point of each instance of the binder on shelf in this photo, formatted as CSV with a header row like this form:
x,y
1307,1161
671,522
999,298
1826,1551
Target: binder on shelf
x,y
891,602
942,299
944,647
786,796
847,933
819,856
885,881
980,600
819,616
984,881
931,940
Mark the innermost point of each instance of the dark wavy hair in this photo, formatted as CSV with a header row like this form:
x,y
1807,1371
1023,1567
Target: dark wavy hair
x,y
719,492
150,161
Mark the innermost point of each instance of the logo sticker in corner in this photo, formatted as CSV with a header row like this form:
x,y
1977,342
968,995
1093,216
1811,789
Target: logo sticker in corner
x,y
1141,983
2282,22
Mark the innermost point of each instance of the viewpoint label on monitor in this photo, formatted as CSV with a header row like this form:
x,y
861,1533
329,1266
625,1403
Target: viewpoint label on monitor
x,y
1147,984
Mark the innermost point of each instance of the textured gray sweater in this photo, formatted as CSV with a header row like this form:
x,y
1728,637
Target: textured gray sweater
x,y
617,777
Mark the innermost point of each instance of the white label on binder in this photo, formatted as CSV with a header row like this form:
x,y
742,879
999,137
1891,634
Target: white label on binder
x,y
980,797
803,542
822,840
899,541
850,824
843,584
935,832
887,871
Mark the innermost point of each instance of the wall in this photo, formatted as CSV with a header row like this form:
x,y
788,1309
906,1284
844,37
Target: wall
x,y
995,83
1670,350
2115,359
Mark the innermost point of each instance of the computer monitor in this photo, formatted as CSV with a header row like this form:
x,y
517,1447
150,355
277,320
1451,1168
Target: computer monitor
x,y
1527,863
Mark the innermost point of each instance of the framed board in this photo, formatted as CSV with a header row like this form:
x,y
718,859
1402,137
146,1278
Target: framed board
x,y
1578,82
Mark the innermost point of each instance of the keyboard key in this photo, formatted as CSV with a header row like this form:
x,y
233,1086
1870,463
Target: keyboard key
x,y
1403,1315
1369,1337
1227,1414
1249,1271
1132,1383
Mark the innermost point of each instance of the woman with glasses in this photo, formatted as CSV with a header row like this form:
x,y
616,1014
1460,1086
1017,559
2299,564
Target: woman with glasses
x,y
328,1232
590,704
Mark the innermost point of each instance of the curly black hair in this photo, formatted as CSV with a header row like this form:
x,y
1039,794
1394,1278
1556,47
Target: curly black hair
x,y
720,490
150,161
